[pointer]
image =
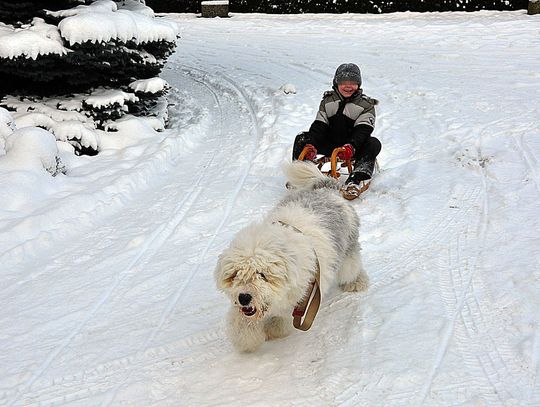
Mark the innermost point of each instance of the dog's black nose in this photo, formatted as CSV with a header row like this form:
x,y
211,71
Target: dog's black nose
x,y
244,299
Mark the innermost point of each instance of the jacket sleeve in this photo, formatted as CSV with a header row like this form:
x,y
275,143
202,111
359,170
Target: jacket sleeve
x,y
320,128
363,127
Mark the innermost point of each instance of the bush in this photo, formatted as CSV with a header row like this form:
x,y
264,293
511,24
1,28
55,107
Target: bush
x,y
100,44
74,71
341,6
371,6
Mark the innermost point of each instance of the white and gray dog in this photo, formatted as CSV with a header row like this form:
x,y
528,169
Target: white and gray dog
x,y
269,267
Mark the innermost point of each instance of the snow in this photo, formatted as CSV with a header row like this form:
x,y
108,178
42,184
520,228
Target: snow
x,y
215,3
107,291
135,6
288,88
152,85
124,24
30,40
7,126
100,21
109,97
30,148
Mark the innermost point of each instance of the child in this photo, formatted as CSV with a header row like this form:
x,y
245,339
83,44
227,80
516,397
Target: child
x,y
346,118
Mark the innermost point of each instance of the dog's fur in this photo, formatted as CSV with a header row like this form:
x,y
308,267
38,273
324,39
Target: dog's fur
x,y
272,263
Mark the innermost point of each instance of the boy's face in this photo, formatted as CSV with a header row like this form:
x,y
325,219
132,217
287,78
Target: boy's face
x,y
347,88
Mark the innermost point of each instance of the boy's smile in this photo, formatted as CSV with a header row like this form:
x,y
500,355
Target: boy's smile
x,y
347,88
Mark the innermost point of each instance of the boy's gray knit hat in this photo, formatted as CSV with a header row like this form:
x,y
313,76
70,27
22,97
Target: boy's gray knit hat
x,y
348,72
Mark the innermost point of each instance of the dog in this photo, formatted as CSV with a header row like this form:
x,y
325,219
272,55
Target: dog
x,y
270,266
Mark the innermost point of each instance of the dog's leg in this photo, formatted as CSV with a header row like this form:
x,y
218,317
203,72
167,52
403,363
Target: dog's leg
x,y
276,327
352,276
246,335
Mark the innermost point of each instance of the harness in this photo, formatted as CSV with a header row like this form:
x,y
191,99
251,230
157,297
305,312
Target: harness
x,y
309,306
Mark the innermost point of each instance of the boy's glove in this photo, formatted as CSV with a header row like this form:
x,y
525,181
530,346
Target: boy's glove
x,y
347,154
311,153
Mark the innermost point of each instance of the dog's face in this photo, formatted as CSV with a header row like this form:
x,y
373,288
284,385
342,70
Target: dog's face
x,y
253,282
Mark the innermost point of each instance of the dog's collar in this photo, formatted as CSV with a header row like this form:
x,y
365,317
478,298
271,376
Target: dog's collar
x,y
288,226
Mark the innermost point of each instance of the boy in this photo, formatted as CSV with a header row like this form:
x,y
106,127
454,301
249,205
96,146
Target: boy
x,y
346,118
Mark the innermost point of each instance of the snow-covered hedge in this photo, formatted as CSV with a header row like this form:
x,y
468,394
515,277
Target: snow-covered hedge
x,y
103,43
341,6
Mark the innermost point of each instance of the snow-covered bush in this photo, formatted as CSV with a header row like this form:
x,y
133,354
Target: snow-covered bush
x,y
72,71
78,118
7,126
102,43
31,149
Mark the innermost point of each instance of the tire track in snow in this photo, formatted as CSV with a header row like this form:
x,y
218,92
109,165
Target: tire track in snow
x,y
227,212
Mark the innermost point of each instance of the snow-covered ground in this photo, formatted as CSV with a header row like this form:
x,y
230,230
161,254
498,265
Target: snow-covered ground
x,y
107,293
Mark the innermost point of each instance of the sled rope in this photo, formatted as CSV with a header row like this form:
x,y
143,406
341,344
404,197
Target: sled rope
x,y
310,304
308,308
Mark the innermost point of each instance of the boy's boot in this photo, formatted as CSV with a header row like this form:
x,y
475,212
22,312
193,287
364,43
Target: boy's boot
x,y
363,170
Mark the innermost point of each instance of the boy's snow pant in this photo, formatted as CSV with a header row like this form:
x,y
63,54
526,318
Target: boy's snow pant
x,y
368,152
364,157
364,161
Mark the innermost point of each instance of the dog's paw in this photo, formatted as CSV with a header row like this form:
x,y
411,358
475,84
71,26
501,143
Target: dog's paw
x,y
360,284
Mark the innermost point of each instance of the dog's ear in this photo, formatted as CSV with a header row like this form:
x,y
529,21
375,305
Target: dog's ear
x,y
224,275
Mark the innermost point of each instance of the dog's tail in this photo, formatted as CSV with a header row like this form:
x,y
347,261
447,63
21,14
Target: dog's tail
x,y
305,175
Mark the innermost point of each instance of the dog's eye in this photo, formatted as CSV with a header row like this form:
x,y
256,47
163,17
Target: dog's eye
x,y
230,279
263,276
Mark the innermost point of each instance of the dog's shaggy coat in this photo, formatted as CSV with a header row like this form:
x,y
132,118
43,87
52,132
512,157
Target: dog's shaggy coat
x,y
269,266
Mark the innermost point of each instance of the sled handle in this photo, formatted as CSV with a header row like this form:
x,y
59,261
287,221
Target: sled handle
x,y
333,162
303,154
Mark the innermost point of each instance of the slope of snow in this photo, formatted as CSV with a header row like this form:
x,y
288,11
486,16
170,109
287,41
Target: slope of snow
x,y
108,296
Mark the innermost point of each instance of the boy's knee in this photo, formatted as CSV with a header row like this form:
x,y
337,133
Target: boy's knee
x,y
369,150
375,145
299,142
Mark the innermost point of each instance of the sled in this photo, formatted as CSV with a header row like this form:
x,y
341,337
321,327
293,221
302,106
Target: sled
x,y
334,167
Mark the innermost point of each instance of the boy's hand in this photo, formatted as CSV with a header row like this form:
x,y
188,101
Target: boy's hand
x,y
311,153
347,153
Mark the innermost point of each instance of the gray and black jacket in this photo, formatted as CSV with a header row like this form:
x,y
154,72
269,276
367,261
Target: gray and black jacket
x,y
340,121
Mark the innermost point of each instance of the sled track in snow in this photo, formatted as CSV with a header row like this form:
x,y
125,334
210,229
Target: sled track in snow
x,y
154,243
